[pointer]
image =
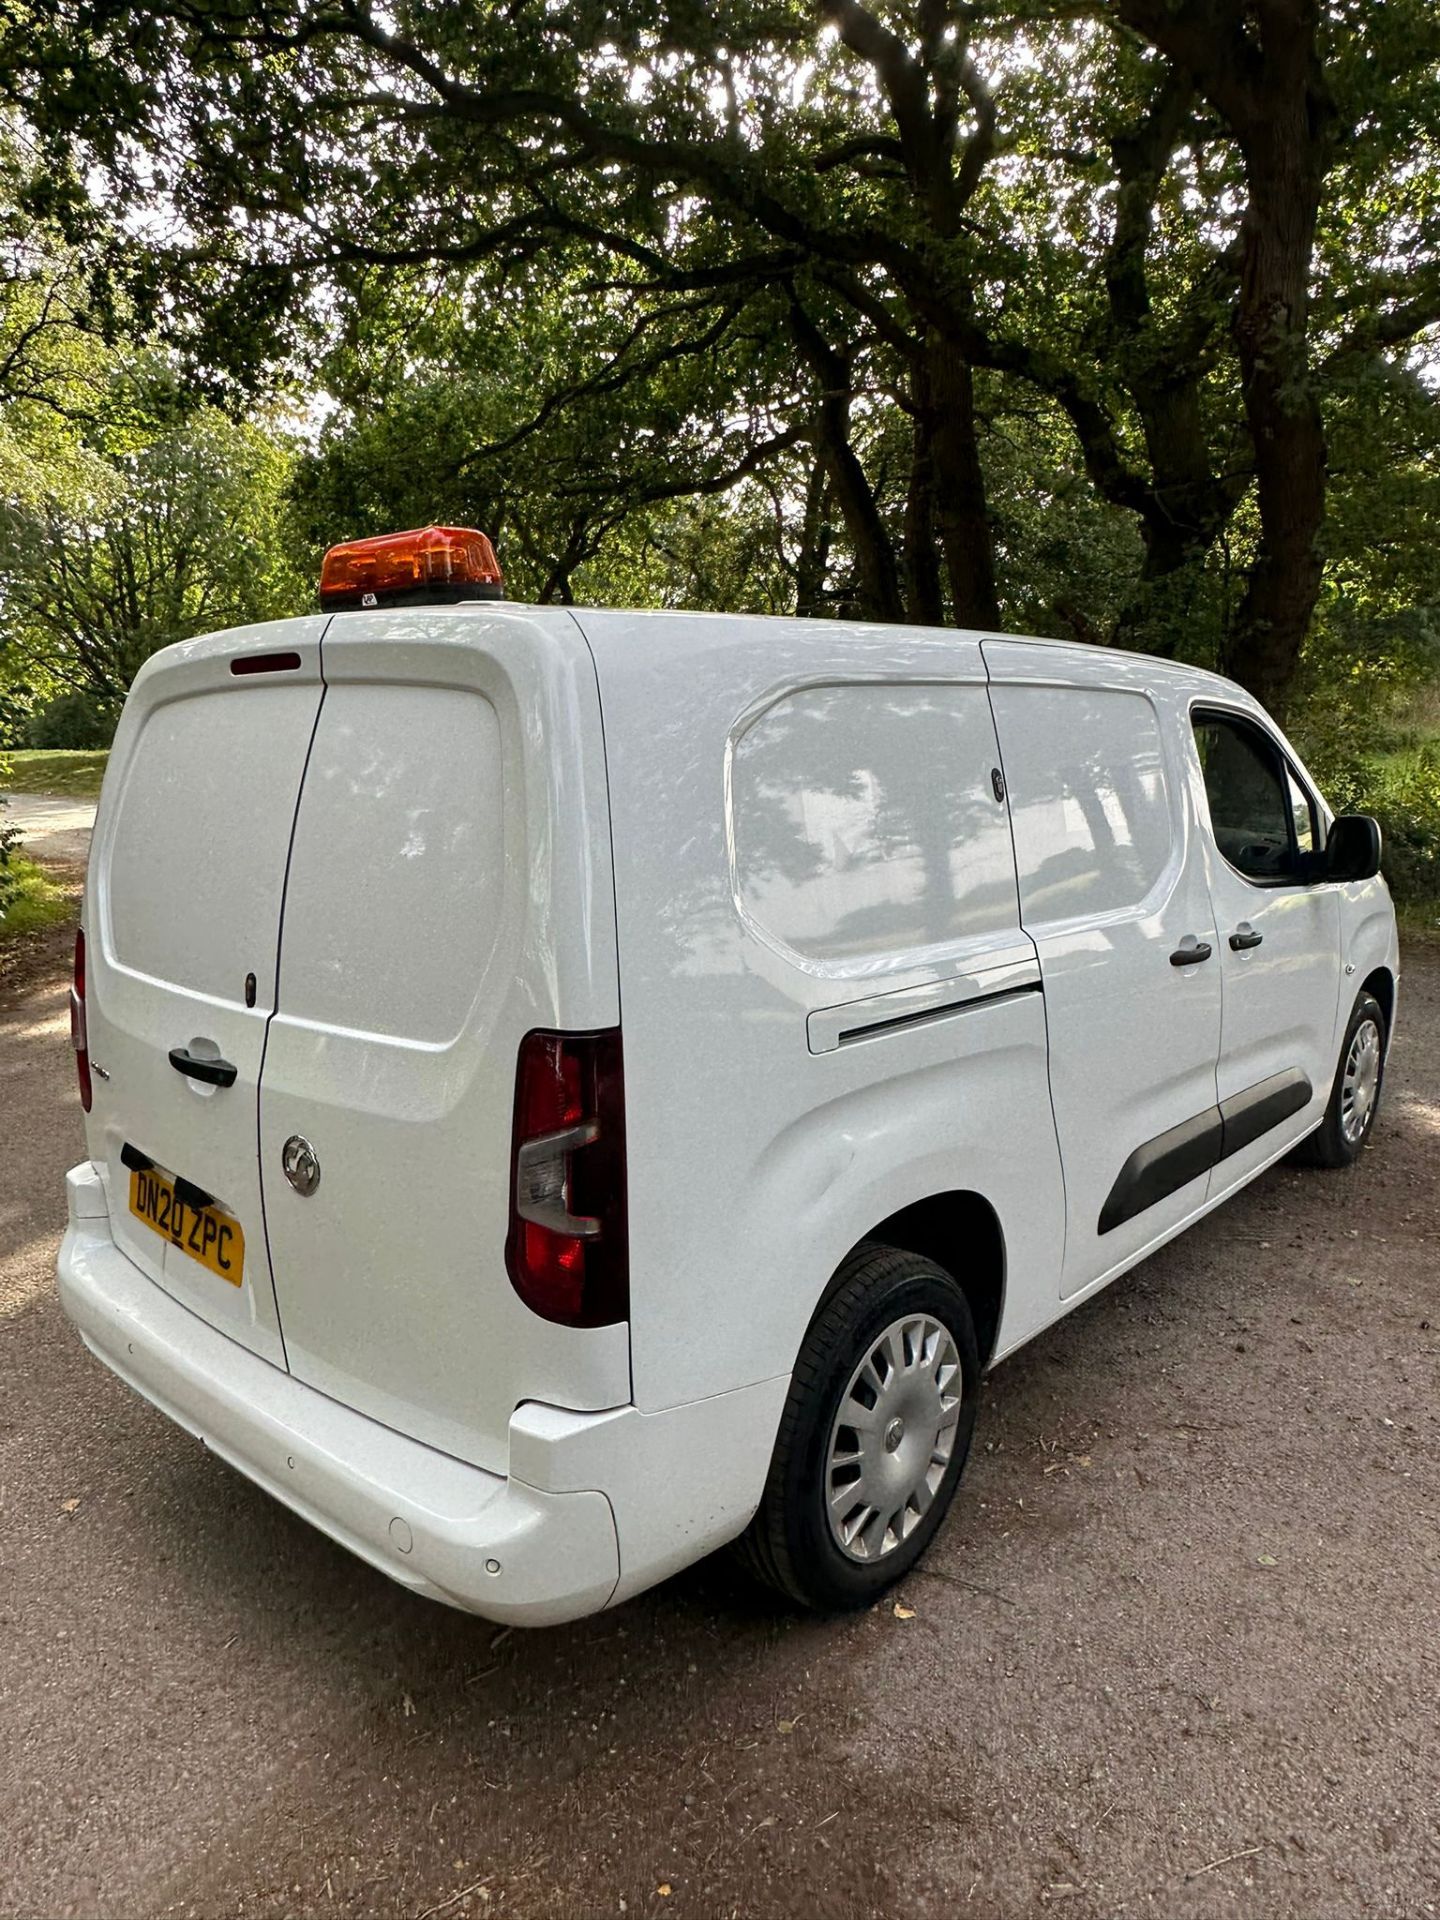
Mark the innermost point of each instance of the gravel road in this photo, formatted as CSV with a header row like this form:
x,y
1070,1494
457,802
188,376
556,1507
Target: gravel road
x,y
55,827
1173,1654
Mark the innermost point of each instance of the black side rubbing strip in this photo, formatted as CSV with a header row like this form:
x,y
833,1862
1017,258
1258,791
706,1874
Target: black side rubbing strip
x,y
864,1029
1245,1116
1162,1166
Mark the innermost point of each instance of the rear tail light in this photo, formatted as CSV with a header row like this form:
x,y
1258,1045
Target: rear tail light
x,y
567,1252
79,1037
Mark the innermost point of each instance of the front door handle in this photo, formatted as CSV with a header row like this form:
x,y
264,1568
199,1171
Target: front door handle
x,y
215,1073
1245,936
1190,952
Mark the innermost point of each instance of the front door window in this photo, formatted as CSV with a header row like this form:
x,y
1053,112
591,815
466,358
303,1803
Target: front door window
x,y
1260,816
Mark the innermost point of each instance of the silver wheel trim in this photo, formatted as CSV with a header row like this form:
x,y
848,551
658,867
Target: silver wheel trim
x,y
1360,1081
892,1437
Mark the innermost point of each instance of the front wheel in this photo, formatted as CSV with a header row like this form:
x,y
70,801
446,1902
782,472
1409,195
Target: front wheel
x,y
874,1436
1355,1097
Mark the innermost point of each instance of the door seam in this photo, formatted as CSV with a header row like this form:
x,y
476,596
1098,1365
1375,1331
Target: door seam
x,y
579,627
1045,1010
275,996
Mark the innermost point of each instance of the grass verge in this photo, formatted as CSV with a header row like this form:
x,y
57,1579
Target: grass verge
x,y
39,901
75,773
1419,919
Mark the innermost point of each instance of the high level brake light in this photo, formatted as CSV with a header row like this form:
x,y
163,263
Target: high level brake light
x,y
568,1253
429,566
79,1036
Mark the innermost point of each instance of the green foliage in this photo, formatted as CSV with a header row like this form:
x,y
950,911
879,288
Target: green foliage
x,y
29,898
50,325
906,311
65,771
1405,798
70,720
9,845
1403,793
1371,737
590,454
149,523
1066,562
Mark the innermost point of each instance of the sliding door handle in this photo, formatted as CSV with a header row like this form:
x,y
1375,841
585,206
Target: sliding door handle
x,y
1245,936
1190,952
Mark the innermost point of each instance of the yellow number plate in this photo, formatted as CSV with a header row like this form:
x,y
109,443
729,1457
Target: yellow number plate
x,y
205,1233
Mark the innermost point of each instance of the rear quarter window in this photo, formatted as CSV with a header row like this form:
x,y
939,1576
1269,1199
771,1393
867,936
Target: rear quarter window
x,y
864,824
1087,797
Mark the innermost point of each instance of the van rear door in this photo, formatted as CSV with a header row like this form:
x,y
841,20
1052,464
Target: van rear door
x,y
182,929
449,891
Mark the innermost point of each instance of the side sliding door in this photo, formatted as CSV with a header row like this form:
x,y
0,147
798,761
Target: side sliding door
x,y
1113,891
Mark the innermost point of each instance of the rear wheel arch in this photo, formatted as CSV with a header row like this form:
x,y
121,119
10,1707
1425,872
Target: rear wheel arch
x,y
960,1231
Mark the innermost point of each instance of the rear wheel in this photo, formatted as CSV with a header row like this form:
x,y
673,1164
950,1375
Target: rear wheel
x,y
874,1435
1355,1096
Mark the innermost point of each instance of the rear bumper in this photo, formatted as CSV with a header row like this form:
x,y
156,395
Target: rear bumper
x,y
494,1546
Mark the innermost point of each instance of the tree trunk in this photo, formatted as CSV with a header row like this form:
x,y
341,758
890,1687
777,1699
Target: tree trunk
x,y
1183,504
1281,405
1151,618
1258,63
961,512
925,602
813,558
877,575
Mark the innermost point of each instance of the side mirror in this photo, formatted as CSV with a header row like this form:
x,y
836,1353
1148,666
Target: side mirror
x,y
1353,850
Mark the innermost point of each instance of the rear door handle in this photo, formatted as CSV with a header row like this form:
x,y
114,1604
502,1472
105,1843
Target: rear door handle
x,y
1190,952
1245,936
215,1073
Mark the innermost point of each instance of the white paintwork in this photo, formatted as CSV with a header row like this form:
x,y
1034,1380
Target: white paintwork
x,y
664,1520
1282,998
1112,881
449,889
187,867
853,1020
775,853
753,1160
431,1522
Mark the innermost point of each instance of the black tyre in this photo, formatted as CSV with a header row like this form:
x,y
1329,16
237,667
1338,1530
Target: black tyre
x,y
1355,1096
874,1435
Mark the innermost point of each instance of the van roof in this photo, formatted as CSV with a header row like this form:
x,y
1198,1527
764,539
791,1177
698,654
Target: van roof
x,y
822,630
1077,649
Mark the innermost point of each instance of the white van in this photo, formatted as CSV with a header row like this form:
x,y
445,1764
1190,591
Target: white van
x,y
567,1090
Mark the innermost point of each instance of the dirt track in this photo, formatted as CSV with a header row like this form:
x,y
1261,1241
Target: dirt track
x,y
1174,1653
55,827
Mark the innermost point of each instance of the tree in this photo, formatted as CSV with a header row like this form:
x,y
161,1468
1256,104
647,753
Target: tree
x,y
907,221
731,161
50,329
1262,66
153,525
